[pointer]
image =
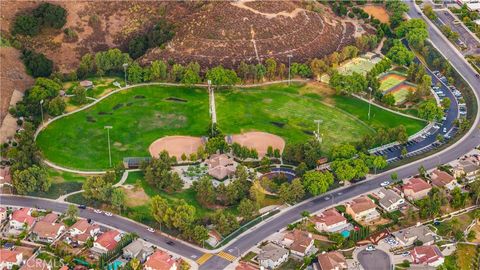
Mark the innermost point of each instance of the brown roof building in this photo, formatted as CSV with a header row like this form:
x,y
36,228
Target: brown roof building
x,y
443,179
299,242
333,260
44,231
160,260
330,220
416,188
362,208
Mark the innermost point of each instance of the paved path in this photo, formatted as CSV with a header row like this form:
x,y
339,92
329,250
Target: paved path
x,y
374,260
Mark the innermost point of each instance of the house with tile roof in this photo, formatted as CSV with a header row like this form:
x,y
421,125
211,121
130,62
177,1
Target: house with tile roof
x,y
271,256
333,260
427,255
416,188
362,209
389,200
9,258
443,179
3,214
408,236
331,221
20,217
107,241
160,260
299,242
46,232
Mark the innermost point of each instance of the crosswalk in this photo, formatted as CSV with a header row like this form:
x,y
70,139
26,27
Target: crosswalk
x,y
205,257
226,256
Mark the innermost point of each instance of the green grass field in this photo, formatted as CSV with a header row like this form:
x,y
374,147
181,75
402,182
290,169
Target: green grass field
x,y
358,65
143,114
62,183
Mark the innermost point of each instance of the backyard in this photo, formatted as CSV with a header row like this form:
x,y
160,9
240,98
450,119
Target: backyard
x,y
143,114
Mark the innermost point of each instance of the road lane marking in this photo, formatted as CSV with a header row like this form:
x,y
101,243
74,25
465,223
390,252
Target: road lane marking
x,y
226,256
205,257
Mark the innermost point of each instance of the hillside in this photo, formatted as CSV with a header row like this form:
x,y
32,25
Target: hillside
x,y
208,32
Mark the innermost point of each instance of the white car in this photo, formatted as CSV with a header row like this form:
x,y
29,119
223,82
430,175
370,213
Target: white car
x,y
151,229
444,130
384,184
406,253
108,214
97,211
370,248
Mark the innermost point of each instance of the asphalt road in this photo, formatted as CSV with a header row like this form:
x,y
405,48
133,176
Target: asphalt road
x,y
374,260
244,243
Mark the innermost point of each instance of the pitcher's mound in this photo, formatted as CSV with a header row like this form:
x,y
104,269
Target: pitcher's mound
x,y
175,146
260,141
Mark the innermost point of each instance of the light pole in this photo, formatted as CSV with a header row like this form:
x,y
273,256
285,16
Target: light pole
x,y
317,135
108,138
369,101
125,65
289,58
41,109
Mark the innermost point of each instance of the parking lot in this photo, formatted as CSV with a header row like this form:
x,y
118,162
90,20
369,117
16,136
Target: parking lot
x,y
466,39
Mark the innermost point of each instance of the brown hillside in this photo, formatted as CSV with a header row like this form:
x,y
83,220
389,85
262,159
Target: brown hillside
x,y
211,33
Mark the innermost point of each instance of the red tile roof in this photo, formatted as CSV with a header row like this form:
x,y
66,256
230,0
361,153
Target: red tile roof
x,y
7,255
46,229
416,184
107,239
301,240
22,216
160,260
50,217
426,254
329,217
81,225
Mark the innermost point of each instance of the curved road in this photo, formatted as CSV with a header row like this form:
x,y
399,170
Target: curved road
x,y
248,240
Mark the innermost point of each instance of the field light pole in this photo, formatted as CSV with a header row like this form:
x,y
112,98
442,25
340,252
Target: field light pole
x,y
41,109
289,58
108,138
369,101
125,73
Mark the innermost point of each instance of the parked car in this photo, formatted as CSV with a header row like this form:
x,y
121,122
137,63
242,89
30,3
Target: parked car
x,y
384,184
108,214
82,206
370,248
97,211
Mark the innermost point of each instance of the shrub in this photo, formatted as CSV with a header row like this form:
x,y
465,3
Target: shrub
x,y
25,25
37,64
51,15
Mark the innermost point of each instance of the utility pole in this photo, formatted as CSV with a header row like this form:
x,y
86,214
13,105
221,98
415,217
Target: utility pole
x,y
108,138
317,134
369,101
41,109
289,58
125,65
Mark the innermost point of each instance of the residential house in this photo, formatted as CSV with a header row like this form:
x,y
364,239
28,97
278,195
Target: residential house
x,y
416,188
21,217
331,221
427,255
213,238
390,200
220,166
36,264
9,258
443,179
271,256
138,249
299,242
47,232
107,241
51,217
3,214
333,260
81,226
466,169
362,209
407,237
160,260
81,231
5,177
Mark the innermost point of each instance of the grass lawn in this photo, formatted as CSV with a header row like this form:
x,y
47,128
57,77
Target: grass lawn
x,y
401,93
290,264
138,117
62,183
142,115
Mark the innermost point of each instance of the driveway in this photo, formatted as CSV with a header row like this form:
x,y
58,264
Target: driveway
x,y
374,260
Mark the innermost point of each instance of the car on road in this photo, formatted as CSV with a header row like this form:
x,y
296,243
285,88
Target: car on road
x,y
406,254
370,248
150,229
97,211
170,243
82,206
108,214
384,184
444,130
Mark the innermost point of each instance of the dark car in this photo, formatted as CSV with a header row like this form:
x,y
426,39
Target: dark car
x,y
170,242
82,206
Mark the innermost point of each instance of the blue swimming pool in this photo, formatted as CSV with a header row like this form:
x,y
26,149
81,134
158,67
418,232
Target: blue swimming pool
x,y
345,234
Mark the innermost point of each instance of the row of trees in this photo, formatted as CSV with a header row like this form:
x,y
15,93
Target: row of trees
x,y
158,173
